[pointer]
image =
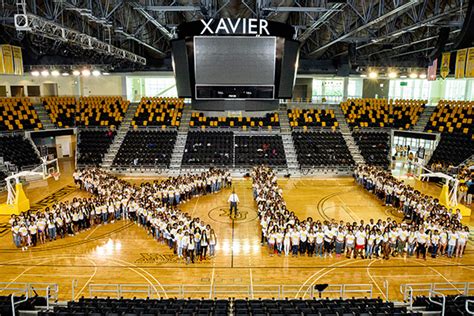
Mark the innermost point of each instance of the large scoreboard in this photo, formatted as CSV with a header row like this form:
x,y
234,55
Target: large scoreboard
x,y
244,59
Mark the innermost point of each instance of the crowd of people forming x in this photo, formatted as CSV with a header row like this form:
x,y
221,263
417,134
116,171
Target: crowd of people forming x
x,y
153,206
427,226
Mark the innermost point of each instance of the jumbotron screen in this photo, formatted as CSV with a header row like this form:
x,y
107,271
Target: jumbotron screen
x,y
234,60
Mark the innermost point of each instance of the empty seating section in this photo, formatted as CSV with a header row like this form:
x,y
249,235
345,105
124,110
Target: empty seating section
x,y
165,112
61,110
146,148
209,149
269,121
454,120
374,146
142,307
400,114
304,118
337,307
93,145
321,148
255,150
452,117
18,114
19,151
100,111
453,149
455,305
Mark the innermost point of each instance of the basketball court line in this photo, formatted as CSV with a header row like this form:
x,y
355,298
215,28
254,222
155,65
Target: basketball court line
x,y
88,281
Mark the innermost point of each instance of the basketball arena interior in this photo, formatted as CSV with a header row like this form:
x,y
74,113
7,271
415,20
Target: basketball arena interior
x,y
236,157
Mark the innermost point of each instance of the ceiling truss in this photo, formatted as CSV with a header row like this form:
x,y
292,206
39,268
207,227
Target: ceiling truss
x,y
138,31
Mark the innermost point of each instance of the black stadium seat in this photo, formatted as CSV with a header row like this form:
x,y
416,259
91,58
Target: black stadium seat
x,y
321,149
92,146
374,146
19,151
146,148
256,150
209,149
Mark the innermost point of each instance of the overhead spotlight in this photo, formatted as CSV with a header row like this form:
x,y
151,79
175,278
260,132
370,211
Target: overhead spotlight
x,y
76,73
45,73
86,72
106,73
403,76
373,75
54,73
35,73
65,74
392,75
96,73
422,76
413,75
363,76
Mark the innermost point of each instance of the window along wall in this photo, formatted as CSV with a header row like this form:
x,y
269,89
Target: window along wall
x,y
448,89
138,87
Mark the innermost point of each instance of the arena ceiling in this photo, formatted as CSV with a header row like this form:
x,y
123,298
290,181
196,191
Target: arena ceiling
x,y
128,33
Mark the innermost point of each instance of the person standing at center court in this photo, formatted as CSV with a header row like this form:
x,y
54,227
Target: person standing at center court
x,y
233,200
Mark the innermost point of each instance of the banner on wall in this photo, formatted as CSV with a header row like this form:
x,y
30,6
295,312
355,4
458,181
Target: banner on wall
x,y
460,63
17,60
7,55
470,63
445,60
432,70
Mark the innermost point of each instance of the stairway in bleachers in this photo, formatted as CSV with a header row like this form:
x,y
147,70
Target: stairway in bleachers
x,y
347,135
43,116
288,145
121,132
424,118
178,151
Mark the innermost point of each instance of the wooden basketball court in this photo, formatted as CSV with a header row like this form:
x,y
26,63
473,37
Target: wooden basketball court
x,y
123,253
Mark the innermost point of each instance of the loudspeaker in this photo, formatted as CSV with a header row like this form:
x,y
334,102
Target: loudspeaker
x,y
443,37
289,63
179,54
352,52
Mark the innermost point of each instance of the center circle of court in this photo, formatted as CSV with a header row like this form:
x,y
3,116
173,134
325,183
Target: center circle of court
x,y
221,214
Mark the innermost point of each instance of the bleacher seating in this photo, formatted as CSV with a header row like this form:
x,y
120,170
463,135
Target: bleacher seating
x,y
18,150
399,114
101,111
374,146
455,304
214,148
269,121
224,307
452,117
146,148
165,112
93,145
324,307
61,110
454,120
18,114
254,150
321,148
28,304
304,118
142,307
453,149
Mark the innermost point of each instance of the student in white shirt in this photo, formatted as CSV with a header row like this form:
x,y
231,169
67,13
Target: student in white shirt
x,y
453,238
